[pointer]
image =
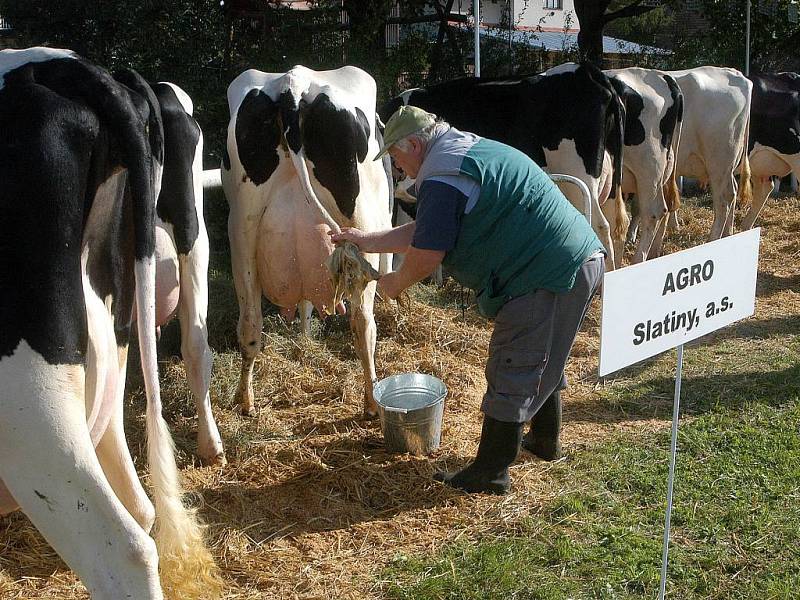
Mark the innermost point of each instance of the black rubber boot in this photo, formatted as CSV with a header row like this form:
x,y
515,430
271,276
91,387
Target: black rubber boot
x,y
489,471
544,439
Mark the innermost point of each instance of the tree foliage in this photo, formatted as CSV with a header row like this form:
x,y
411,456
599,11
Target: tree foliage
x,y
165,40
594,15
203,44
774,40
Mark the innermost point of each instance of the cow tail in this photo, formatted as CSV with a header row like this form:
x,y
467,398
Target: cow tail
x,y
615,139
616,144
744,194
289,124
299,162
672,194
622,221
187,568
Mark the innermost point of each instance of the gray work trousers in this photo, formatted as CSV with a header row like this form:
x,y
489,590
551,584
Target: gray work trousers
x,y
532,338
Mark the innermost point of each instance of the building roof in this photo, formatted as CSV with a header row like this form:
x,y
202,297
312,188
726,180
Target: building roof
x,y
558,41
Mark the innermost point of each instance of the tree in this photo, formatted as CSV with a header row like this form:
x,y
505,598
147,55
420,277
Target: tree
x,y
773,38
367,21
593,17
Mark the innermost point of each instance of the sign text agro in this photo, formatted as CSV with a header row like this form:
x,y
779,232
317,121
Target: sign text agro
x,y
687,320
671,300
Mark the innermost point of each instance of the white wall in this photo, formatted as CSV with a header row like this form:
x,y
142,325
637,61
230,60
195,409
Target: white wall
x,y
528,14
535,14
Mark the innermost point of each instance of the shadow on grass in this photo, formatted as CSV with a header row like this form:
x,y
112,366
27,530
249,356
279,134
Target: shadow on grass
x,y
652,398
751,329
769,284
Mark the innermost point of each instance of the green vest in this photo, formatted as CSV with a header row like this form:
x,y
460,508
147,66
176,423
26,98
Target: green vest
x,y
521,235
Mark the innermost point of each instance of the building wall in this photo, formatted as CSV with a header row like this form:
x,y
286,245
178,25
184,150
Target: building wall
x,y
533,14
528,14
6,34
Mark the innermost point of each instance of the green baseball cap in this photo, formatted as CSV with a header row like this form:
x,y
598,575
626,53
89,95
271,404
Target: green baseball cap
x,y
405,121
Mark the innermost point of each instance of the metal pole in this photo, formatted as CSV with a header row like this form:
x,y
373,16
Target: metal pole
x,y
671,477
476,9
747,42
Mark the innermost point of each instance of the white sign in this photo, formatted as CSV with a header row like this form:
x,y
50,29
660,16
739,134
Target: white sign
x,y
665,302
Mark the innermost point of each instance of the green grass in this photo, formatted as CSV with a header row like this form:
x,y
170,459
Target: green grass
x,y
736,516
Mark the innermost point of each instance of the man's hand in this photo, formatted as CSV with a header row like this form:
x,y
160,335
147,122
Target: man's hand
x,y
417,265
350,234
390,286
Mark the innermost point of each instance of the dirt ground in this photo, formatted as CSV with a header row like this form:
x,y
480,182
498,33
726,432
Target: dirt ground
x,y
310,505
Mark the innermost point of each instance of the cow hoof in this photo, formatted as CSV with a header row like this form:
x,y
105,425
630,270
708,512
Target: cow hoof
x,y
370,415
248,411
218,460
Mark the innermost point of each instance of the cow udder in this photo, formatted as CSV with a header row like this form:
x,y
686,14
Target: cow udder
x,y
292,248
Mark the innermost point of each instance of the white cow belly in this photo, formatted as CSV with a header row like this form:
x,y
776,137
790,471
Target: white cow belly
x,y
167,278
293,244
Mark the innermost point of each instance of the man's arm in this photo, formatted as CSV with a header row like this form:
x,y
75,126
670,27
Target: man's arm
x,y
417,265
393,240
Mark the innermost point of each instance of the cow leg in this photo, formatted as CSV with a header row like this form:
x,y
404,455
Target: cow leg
x,y
243,236
672,221
115,459
306,310
762,188
437,277
723,193
633,228
249,332
658,237
600,223
610,209
50,467
652,211
648,227
385,264
362,323
197,357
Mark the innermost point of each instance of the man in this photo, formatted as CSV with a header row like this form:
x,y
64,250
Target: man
x,y
500,226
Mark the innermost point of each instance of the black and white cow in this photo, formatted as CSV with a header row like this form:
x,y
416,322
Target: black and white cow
x,y
182,255
653,115
713,145
568,120
774,143
300,163
80,158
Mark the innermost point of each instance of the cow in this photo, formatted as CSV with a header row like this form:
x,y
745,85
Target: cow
x,y
774,144
182,255
80,165
653,115
568,120
299,162
713,144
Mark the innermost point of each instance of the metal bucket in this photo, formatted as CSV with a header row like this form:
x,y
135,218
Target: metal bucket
x,y
411,406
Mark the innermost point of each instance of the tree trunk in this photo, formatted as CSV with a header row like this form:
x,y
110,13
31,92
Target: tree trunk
x,y
443,12
591,18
